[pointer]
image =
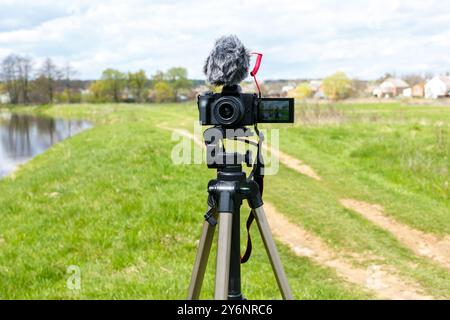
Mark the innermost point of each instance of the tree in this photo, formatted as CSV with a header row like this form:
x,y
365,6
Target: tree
x,y
359,88
303,91
137,83
428,75
413,79
68,72
158,76
163,92
97,92
16,74
337,86
9,77
39,90
68,96
113,82
24,68
178,79
48,75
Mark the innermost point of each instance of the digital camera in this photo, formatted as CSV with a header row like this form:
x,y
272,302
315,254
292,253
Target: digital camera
x,y
232,108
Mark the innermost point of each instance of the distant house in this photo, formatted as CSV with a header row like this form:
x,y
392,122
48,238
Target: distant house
x,y
392,87
287,88
407,93
127,96
418,91
319,94
437,87
4,98
274,93
315,85
317,89
85,92
201,89
182,98
376,92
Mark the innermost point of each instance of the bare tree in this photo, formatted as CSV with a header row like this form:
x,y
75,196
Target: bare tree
x,y
24,69
428,75
16,75
48,75
68,72
414,78
9,76
387,75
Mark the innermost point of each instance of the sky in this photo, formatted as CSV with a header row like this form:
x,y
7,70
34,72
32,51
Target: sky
x,y
299,39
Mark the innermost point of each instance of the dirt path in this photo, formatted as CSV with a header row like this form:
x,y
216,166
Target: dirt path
x,y
420,243
185,133
383,283
293,163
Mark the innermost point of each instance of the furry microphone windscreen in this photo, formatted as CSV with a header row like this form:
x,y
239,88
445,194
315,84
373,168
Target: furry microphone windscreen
x,y
228,63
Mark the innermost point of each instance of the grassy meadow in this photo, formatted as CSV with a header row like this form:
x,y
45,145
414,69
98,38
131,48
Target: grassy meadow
x,y
111,202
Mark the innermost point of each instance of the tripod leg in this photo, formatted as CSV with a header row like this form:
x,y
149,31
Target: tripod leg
x,y
201,260
272,252
223,256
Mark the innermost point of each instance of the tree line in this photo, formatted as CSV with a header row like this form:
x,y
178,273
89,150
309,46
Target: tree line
x,y
117,86
25,82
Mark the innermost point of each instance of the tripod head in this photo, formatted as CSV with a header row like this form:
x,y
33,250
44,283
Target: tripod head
x,y
218,158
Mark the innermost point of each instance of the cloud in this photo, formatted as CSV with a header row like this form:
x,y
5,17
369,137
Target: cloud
x,y
299,38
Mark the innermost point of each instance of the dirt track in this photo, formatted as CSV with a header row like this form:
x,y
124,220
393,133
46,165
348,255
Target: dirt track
x,y
384,283
293,163
420,243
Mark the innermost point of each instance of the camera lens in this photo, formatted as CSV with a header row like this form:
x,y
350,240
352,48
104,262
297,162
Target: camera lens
x,y
228,110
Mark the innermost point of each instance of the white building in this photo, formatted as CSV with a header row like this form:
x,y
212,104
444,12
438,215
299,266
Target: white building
x,y
437,87
287,88
4,98
407,92
315,85
317,90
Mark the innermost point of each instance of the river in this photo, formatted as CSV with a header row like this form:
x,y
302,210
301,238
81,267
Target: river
x,y
22,137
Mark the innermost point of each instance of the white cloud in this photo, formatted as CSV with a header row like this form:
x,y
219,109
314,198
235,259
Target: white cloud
x,y
298,38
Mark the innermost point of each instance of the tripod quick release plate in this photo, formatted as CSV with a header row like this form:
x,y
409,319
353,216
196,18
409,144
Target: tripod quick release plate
x,y
216,156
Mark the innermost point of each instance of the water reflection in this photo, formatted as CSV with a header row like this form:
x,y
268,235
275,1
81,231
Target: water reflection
x,y
23,137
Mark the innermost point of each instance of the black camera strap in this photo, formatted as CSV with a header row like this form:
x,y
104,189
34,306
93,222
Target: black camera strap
x,y
257,175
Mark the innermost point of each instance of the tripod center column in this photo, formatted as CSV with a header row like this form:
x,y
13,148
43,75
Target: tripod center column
x,y
235,175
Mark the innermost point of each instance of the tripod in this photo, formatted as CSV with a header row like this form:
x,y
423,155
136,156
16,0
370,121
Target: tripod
x,y
226,194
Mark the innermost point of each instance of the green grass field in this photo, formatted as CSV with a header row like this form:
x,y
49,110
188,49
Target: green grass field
x,y
111,202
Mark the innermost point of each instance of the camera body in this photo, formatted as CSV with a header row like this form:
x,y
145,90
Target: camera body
x,y
230,108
